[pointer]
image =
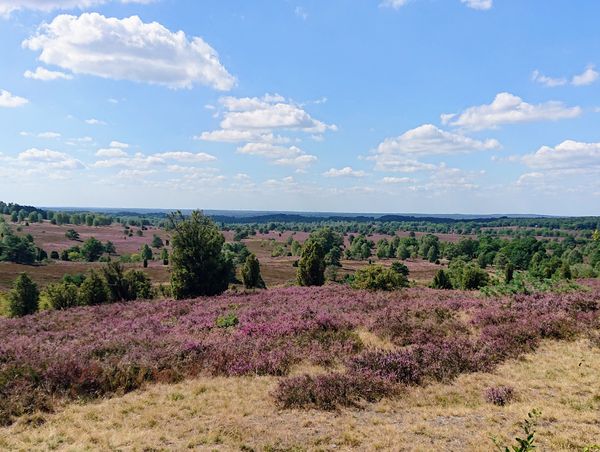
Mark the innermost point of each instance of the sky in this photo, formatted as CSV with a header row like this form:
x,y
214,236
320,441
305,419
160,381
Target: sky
x,y
387,106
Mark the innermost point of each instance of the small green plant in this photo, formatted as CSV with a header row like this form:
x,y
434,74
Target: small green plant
x,y
227,321
523,444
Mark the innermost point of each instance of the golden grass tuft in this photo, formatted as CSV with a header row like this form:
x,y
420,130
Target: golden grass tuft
x,y
561,379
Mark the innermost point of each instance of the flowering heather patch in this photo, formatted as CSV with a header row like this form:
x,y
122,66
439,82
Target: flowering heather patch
x,y
111,349
500,395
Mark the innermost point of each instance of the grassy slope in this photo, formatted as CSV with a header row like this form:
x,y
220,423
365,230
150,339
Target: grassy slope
x,y
561,379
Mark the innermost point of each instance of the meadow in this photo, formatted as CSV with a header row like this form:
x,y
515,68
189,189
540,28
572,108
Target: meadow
x,y
307,351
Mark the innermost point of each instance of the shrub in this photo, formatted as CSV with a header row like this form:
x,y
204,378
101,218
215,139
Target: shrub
x,y
378,277
24,297
92,249
251,273
311,266
54,255
441,281
227,321
331,391
199,267
62,295
500,395
94,290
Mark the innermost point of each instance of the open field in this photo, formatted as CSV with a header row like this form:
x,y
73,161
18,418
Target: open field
x,y
225,414
433,353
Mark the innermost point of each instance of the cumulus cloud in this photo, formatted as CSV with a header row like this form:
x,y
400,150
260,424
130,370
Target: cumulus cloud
x,y
49,135
568,156
8,100
129,49
9,6
427,139
550,82
118,144
347,171
50,159
238,136
115,157
279,155
45,75
111,152
95,122
267,113
507,108
587,77
397,180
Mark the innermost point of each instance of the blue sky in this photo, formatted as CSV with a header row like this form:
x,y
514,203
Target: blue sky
x,y
430,106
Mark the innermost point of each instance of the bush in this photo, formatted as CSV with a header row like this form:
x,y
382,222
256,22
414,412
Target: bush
x,y
378,277
500,395
441,281
331,391
94,290
91,250
198,265
227,321
62,295
24,298
311,266
251,273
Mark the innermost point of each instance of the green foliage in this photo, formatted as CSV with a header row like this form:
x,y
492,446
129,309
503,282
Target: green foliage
x,y
198,265
467,276
139,285
92,249
378,277
94,290
527,443
16,249
331,242
164,255
24,297
157,242
227,321
126,285
109,248
311,266
63,295
72,234
441,281
360,248
251,273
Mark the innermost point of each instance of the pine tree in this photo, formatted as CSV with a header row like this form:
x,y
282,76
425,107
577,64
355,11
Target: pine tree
x,y
311,267
441,280
251,274
23,299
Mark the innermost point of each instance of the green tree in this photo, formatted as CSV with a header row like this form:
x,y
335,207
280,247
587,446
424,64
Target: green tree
x,y
251,273
109,248
94,290
198,265
139,285
509,270
311,267
63,295
24,297
92,249
378,277
146,253
157,242
72,234
441,280
164,255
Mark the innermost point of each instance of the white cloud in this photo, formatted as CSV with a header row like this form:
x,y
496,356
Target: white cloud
x,y
397,180
587,77
479,4
147,52
135,174
95,122
111,152
301,12
118,144
9,6
237,136
267,113
507,108
347,171
568,156
50,159
50,135
474,4
44,74
7,100
550,82
427,139
396,4
182,156
269,150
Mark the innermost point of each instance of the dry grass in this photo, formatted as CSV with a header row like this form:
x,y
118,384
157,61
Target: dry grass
x,y
561,379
